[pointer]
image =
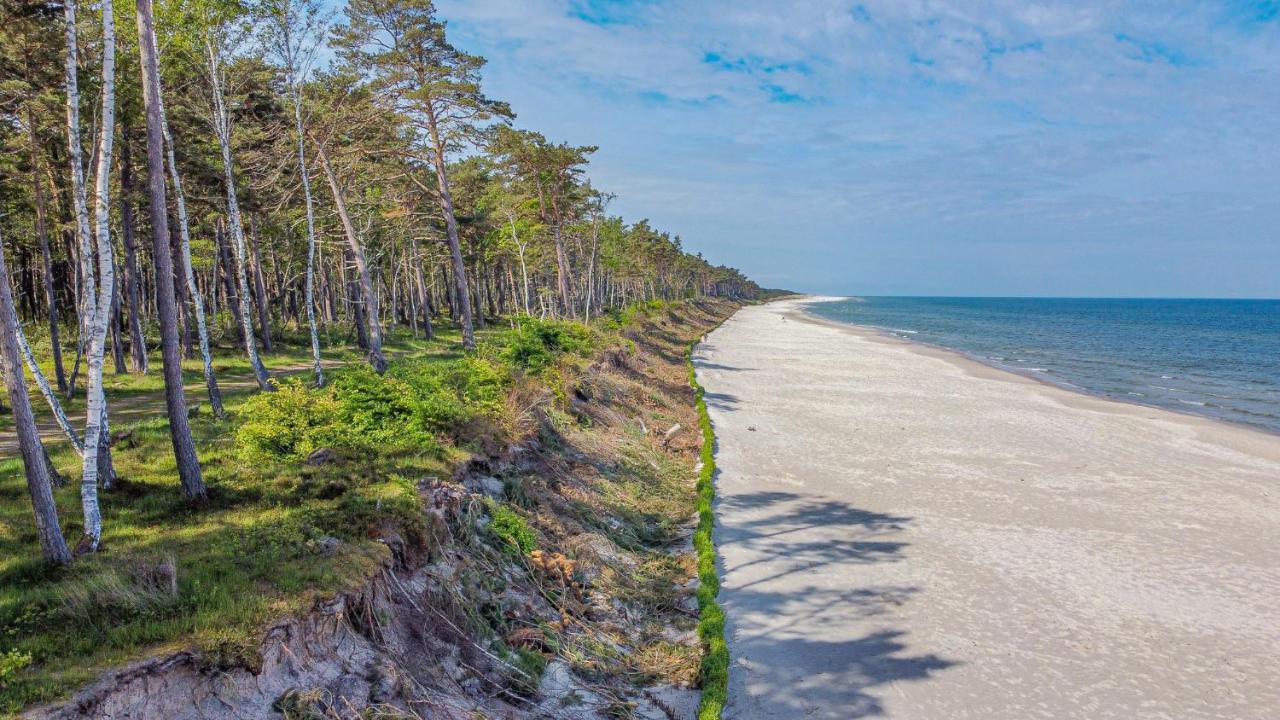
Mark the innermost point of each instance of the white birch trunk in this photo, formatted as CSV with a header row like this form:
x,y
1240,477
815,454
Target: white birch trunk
x,y
222,125
311,228
524,270
59,415
98,309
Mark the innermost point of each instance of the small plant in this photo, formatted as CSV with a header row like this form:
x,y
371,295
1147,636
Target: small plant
x,y
512,530
527,667
11,662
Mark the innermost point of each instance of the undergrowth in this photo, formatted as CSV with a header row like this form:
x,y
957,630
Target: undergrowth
x,y
278,533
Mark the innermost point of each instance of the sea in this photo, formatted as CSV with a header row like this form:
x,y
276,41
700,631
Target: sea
x,y
1218,358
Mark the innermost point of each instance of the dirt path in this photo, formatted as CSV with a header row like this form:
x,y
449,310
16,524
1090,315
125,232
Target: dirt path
x,y
908,534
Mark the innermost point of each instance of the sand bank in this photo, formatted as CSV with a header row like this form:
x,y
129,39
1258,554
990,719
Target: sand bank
x,y
908,533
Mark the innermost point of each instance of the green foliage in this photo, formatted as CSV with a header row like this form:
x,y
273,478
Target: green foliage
x,y
291,422
525,673
11,662
405,409
511,530
535,344
447,395
713,673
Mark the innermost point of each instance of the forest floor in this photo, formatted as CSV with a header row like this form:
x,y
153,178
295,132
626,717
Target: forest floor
x,y
592,473
132,397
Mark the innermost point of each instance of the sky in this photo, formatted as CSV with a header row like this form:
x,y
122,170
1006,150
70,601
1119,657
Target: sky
x,y
912,147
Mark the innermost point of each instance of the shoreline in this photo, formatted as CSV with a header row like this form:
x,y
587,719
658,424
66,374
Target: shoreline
x,y
948,353
905,532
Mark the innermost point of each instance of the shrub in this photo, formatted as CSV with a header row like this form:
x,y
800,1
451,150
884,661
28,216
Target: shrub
x,y
535,344
11,662
446,396
291,422
376,410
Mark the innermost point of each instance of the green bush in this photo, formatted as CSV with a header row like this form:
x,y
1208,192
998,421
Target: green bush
x,y
446,395
291,422
535,344
11,662
377,410
405,408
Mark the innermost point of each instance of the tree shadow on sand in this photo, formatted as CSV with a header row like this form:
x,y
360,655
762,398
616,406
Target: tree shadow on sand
x,y
794,613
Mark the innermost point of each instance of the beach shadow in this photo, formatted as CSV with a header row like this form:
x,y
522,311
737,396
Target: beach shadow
x,y
793,614
704,365
721,401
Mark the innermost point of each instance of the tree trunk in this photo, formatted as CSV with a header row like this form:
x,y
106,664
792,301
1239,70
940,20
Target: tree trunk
x,y
97,306
137,344
376,358
226,271
115,321
311,228
34,460
184,234
222,123
182,291
175,400
451,231
423,303
42,234
260,288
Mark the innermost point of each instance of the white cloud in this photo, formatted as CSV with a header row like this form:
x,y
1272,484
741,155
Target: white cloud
x,y
914,122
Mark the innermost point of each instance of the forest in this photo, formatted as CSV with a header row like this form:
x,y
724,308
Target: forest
x,y
191,192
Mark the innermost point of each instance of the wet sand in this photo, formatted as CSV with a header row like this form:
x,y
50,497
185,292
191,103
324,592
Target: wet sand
x,y
907,533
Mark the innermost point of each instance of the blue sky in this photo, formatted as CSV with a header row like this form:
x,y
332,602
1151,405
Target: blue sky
x,y
1008,147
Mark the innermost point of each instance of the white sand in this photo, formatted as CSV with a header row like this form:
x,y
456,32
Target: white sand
x,y
906,533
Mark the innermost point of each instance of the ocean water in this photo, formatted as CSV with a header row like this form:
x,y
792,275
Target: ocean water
x,y
1219,358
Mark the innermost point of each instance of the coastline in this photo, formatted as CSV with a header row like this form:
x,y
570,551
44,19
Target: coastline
x,y
962,357
907,532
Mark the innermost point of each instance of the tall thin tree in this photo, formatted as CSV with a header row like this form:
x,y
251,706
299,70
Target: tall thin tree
x,y
34,460
166,304
222,128
184,235
293,32
96,307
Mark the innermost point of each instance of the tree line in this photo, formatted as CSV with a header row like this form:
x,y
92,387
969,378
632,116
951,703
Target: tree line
x,y
259,168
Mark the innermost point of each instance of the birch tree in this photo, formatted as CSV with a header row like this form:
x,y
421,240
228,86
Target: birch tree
x,y
292,34
95,295
222,128
184,241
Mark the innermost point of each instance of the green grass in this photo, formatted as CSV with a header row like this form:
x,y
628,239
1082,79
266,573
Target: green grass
x,y
713,672
257,551
173,575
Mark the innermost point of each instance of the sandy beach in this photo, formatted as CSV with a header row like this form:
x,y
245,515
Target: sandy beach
x,y
907,533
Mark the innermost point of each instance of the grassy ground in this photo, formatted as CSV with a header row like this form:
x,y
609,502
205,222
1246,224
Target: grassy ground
x,y
277,534
256,551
